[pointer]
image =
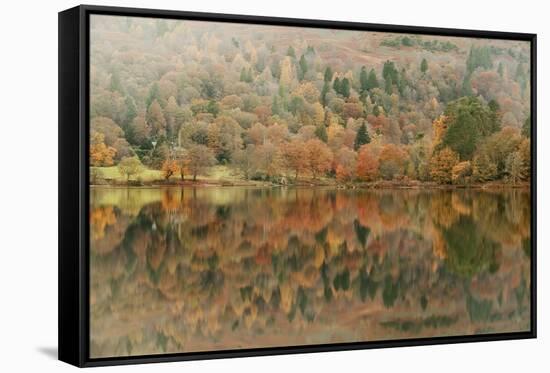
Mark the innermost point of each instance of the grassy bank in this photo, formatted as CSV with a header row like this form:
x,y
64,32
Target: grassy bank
x,y
225,176
217,175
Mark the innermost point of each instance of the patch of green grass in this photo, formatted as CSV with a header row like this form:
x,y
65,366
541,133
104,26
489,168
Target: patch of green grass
x,y
113,174
221,173
215,173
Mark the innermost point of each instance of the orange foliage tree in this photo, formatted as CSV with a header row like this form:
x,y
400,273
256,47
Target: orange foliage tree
x,y
392,161
100,154
169,168
441,165
293,157
367,162
318,157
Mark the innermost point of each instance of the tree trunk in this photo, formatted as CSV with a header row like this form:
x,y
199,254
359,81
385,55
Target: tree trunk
x,y
194,177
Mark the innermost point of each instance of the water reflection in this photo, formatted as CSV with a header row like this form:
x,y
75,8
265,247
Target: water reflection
x,y
179,270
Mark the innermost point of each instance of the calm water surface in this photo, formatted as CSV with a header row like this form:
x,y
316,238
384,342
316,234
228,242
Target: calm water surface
x,y
185,269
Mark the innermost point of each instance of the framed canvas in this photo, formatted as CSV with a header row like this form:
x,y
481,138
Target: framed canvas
x,y
236,186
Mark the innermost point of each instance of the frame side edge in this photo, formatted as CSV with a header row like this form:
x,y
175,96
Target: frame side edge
x,y
69,332
534,185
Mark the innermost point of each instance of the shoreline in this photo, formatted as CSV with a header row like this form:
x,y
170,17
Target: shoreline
x,y
365,186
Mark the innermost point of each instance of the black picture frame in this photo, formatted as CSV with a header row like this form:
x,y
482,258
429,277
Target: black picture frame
x,y
73,250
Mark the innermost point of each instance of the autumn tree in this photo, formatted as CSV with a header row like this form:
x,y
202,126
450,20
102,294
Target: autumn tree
x,y
293,157
495,150
484,168
392,161
461,172
514,167
130,166
277,133
100,154
419,154
199,158
352,110
267,159
224,137
336,136
109,128
169,168
171,115
307,132
139,131
182,162
441,165
257,134
308,91
367,162
345,162
243,160
318,157
287,74
155,119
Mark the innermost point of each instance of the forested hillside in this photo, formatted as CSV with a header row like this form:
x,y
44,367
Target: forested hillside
x,y
286,104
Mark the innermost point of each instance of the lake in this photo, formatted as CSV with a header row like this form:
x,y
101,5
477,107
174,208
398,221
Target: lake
x,y
217,268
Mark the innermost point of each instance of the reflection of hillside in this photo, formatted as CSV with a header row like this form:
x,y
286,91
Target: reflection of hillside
x,y
216,268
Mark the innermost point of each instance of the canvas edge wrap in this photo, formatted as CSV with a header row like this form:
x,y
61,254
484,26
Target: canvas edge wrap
x,y
73,189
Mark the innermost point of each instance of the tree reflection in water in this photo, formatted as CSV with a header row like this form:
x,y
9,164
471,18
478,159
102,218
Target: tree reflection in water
x,y
180,270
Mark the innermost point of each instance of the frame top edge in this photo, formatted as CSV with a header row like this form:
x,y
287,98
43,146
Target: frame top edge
x,y
303,22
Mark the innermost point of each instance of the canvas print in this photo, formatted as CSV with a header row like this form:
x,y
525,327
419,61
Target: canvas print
x,y
256,186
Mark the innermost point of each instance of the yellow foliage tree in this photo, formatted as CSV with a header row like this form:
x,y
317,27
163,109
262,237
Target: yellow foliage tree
x,y
441,165
169,168
439,129
461,172
100,154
